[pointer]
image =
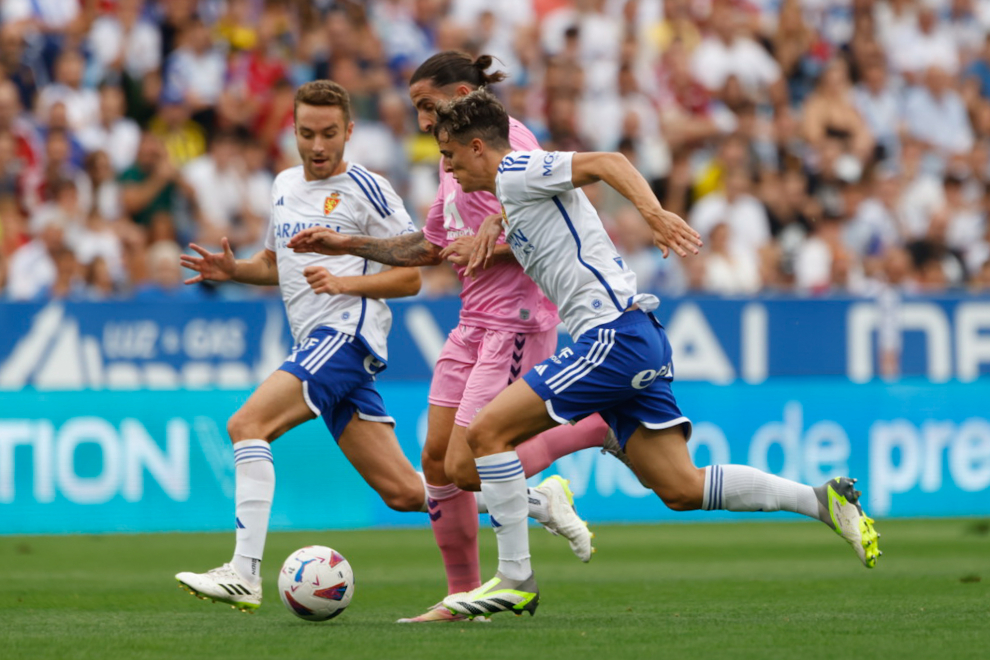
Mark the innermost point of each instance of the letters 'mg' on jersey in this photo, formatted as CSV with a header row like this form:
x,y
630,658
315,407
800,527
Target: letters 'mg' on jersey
x,y
355,202
557,236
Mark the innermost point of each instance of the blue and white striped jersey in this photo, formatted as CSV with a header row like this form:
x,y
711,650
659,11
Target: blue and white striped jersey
x,y
354,202
556,235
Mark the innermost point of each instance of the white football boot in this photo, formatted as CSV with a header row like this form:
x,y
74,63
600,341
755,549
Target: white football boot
x,y
564,520
224,585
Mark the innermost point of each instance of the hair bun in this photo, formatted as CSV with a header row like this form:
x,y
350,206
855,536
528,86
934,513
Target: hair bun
x,y
483,62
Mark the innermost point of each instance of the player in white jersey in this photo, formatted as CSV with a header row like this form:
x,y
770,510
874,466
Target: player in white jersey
x,y
339,323
620,365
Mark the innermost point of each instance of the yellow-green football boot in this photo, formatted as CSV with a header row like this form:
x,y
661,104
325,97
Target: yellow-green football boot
x,y
840,509
500,594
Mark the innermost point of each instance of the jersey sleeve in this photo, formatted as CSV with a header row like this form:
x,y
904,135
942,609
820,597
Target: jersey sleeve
x,y
394,220
544,174
433,229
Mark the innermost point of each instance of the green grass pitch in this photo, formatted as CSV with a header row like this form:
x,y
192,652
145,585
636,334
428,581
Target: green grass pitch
x,y
755,590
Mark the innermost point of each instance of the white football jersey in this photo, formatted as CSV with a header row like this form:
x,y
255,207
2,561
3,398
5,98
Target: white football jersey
x,y
354,202
556,235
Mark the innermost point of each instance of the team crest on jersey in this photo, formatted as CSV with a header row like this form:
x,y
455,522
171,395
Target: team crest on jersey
x,y
330,203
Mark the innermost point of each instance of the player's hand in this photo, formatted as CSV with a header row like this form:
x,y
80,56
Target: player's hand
x,y
459,252
216,266
671,232
322,280
322,240
484,244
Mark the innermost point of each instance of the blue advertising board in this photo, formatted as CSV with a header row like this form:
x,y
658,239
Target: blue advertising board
x,y
91,461
226,344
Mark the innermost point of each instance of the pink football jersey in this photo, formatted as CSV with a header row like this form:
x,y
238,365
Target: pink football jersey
x,y
501,297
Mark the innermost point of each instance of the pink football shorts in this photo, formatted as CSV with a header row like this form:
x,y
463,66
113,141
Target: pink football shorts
x,y
476,364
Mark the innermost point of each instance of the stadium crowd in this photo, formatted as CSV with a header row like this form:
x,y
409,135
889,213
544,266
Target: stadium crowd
x,y
818,146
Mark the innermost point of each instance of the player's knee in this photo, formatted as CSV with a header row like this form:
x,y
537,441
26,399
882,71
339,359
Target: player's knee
x,y
481,439
677,498
241,427
409,498
464,477
433,466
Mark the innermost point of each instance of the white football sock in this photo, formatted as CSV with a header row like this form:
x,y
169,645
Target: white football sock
x,y
504,484
538,509
744,488
254,473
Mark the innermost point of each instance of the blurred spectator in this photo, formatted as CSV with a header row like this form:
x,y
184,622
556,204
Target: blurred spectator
x,y
82,104
745,216
218,181
13,122
830,114
923,193
123,42
106,189
880,105
729,53
13,227
94,239
32,270
149,186
382,146
27,74
176,15
194,72
68,282
936,115
874,227
823,262
634,239
115,134
183,138
914,49
99,283
730,270
678,26
964,26
798,50
978,70
165,276
40,182
966,226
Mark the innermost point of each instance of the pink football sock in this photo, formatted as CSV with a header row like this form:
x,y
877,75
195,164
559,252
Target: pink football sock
x,y
537,453
454,519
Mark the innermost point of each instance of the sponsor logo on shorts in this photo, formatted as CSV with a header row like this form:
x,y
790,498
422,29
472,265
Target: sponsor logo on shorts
x,y
373,365
645,378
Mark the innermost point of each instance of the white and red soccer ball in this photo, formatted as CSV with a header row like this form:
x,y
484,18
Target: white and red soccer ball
x,y
316,583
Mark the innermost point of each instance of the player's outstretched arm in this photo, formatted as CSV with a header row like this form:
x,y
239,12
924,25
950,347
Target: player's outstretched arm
x,y
403,250
261,268
670,231
391,283
459,252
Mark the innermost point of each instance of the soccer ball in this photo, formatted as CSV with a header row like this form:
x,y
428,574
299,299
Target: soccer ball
x,y
316,583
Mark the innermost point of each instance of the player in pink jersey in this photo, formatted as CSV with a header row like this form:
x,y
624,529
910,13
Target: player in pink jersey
x,y
506,326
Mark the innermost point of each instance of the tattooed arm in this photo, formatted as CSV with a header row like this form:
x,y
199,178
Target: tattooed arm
x,y
404,250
